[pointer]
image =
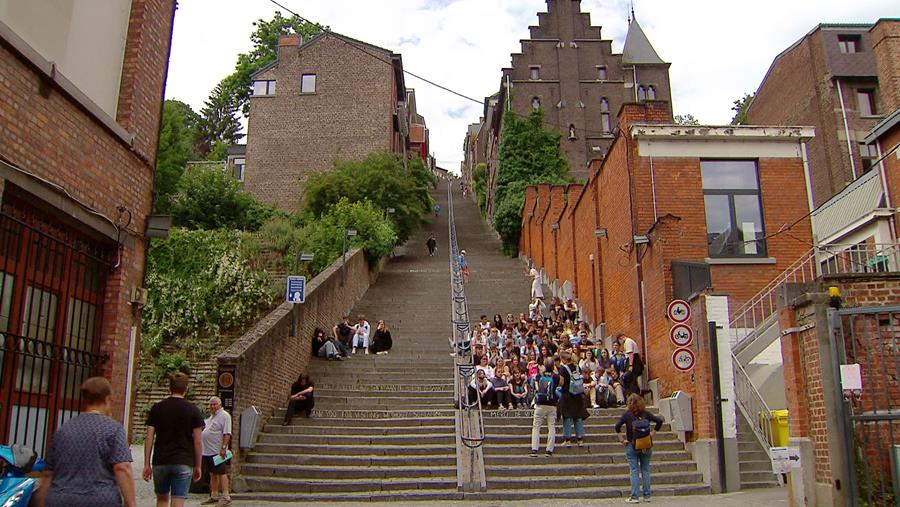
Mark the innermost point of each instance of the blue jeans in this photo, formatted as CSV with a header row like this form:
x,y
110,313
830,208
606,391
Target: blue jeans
x,y
639,463
568,423
172,480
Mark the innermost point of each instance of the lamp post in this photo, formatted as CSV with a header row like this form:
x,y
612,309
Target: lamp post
x,y
348,233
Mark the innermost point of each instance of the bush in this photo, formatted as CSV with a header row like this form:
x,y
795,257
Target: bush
x,y
167,364
479,176
208,198
375,233
381,179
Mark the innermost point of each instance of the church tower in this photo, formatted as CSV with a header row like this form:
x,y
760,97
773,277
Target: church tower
x,y
572,74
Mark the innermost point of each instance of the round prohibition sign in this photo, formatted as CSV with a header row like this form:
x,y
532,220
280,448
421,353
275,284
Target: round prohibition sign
x,y
681,335
683,360
678,311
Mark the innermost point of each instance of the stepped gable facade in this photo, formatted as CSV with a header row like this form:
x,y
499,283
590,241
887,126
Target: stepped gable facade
x,y
329,98
566,68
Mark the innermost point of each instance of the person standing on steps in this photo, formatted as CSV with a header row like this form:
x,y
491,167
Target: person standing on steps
x,y
546,396
637,421
573,403
437,210
431,243
537,289
173,446
216,436
301,399
463,266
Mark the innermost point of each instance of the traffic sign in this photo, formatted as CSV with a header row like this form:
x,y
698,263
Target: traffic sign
x,y
683,360
678,311
784,459
466,370
681,335
295,289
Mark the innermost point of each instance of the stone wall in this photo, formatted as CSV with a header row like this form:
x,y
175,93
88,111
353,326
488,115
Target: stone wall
x,y
267,359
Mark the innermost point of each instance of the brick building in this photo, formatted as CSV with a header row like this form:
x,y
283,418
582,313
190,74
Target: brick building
x,y
418,130
842,79
329,98
81,104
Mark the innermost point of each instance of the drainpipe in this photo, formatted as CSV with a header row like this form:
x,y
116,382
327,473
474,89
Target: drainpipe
x,y
846,128
640,272
652,181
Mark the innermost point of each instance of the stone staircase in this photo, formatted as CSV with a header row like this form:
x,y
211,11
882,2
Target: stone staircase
x,y
383,426
753,462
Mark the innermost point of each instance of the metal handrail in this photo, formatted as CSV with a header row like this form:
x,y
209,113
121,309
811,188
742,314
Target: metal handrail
x,y
755,409
471,436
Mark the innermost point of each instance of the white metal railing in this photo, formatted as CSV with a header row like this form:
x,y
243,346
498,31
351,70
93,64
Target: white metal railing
x,y
753,406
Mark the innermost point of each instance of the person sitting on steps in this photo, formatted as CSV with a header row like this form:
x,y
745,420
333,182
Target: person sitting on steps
x,y
361,334
381,340
301,399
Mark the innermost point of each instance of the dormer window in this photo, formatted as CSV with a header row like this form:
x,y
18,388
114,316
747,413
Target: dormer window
x,y
262,88
849,43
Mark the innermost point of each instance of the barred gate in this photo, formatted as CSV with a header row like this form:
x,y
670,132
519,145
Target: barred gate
x,y
52,281
870,337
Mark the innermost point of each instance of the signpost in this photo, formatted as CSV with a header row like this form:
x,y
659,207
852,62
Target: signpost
x,y
681,335
784,459
678,311
295,289
683,360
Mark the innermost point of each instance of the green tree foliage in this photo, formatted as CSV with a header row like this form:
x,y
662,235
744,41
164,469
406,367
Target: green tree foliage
x,y
219,124
375,232
198,285
529,155
379,178
178,138
686,119
479,176
208,198
740,109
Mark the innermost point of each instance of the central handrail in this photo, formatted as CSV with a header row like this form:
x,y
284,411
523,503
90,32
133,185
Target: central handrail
x,y
469,420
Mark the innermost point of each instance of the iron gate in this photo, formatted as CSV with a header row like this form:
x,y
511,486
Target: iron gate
x,y
52,281
870,337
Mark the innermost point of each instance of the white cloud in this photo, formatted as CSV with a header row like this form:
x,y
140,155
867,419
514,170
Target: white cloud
x,y
719,50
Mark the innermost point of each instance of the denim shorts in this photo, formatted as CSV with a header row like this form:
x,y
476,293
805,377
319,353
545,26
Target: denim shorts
x,y
172,480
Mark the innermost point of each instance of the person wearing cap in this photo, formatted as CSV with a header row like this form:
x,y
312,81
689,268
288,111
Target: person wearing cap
x,y
463,266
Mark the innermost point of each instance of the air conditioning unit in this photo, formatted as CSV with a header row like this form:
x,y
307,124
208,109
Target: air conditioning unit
x,y
138,296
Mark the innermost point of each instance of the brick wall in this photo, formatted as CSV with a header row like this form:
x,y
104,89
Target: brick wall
x,y
552,237
46,132
566,244
268,360
885,37
291,135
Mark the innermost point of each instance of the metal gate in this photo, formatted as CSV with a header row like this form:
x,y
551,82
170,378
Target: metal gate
x,y
52,281
870,337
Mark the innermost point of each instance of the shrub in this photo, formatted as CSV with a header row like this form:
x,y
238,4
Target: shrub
x,y
375,233
208,198
167,364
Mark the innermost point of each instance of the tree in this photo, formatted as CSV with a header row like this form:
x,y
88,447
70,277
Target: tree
x,y
479,177
740,109
686,119
208,198
375,232
529,155
379,178
178,139
219,123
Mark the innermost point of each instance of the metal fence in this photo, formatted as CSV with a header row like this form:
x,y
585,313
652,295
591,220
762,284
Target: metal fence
x,y
52,282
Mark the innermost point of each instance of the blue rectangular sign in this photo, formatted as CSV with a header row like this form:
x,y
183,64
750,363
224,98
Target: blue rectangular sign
x,y
295,291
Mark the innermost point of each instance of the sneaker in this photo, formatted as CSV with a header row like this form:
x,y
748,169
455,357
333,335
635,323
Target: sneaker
x,y
533,453
367,352
223,502
568,443
646,499
595,406
210,501
339,358
633,500
549,454
354,350
580,442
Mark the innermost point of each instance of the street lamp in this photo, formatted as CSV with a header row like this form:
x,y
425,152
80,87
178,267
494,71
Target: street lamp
x,y
348,233
305,257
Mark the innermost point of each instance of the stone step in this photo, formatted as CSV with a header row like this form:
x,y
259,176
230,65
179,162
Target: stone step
x,y
357,449
307,486
398,421
758,476
446,438
760,484
412,387
372,430
307,471
590,448
755,465
553,483
562,455
589,493
448,459
322,413
388,399
589,436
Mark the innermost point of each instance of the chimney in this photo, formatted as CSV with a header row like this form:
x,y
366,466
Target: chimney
x,y
288,41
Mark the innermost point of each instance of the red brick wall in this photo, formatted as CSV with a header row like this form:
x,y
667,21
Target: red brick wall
x,y
885,37
588,288
538,238
566,249
552,237
525,245
52,136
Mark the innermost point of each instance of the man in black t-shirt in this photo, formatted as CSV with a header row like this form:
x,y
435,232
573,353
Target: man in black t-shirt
x,y
176,449
343,332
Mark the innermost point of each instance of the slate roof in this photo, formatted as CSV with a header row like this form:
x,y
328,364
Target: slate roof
x,y
637,47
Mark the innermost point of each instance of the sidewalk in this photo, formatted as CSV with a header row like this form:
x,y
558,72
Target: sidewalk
x,y
756,497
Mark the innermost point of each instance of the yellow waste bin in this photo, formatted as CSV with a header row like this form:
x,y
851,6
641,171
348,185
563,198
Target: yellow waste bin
x,y
780,431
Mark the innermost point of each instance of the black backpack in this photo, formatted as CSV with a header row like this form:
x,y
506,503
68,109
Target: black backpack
x,y
545,391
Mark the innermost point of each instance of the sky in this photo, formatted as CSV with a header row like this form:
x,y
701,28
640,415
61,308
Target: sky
x,y
719,49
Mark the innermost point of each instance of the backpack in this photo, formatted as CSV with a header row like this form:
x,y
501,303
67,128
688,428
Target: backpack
x,y
576,382
545,393
640,430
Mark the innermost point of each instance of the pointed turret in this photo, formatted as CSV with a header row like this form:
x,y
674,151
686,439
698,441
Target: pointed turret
x,y
638,49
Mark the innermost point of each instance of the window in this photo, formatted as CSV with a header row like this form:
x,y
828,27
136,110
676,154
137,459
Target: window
x,y
867,154
866,101
601,73
535,103
239,168
641,93
734,226
308,83
604,116
848,43
651,93
572,131
264,87
535,73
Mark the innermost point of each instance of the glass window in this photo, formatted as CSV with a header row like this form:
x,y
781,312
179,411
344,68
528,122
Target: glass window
x,y
641,93
651,92
239,168
866,102
604,122
264,87
601,73
535,103
308,83
535,72
38,325
848,43
734,224
604,105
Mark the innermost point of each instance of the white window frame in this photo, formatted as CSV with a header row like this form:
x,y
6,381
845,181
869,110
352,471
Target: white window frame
x,y
303,82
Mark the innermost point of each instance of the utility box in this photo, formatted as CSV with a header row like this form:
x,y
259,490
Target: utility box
x,y
250,418
676,409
